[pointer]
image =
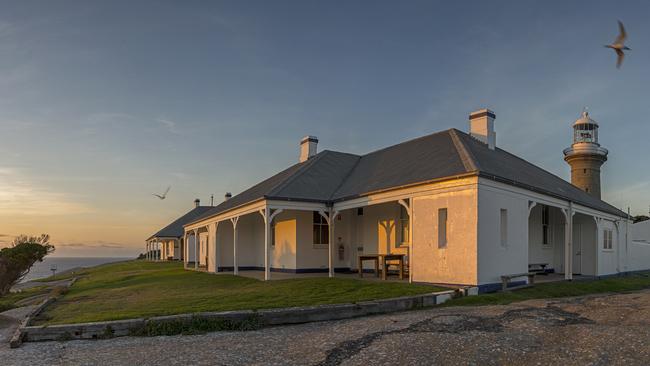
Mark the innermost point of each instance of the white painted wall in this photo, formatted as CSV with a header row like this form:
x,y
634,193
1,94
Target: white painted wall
x,y
608,259
308,255
457,263
639,246
191,248
585,240
553,253
495,260
283,253
203,247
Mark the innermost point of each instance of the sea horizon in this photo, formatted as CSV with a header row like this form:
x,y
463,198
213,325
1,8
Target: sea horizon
x,y
44,269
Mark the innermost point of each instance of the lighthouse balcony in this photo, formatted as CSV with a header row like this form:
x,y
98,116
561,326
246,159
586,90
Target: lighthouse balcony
x,y
585,149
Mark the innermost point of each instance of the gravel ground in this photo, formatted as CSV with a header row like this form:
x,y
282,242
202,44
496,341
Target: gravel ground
x,y
590,330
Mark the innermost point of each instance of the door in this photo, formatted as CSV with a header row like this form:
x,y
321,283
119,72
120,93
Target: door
x,y
577,249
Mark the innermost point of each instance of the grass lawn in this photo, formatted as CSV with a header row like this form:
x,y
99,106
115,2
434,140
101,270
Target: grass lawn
x,y
9,301
559,289
136,289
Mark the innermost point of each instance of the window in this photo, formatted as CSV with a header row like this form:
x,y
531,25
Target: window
x,y
273,234
607,239
442,228
404,224
545,226
321,229
360,211
504,227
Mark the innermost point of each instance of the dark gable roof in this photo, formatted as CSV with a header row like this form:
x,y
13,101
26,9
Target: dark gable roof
x,y
175,229
501,165
334,176
420,160
314,180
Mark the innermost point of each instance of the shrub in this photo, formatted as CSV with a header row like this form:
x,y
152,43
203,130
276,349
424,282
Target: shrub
x,y
18,259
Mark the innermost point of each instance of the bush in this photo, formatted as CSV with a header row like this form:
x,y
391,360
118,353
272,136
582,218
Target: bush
x,y
18,259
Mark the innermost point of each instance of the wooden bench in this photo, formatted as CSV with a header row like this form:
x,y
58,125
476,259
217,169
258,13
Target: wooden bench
x,y
505,280
539,268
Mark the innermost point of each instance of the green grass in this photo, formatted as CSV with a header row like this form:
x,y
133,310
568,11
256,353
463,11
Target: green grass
x,y
633,282
137,289
9,301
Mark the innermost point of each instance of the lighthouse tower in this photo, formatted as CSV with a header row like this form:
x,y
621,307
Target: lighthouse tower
x,y
586,156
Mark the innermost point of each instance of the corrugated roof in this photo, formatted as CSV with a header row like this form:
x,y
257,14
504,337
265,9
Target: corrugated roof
x,y
175,229
334,176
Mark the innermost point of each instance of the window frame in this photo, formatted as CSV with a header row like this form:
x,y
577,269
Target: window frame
x,y
547,236
443,223
503,227
322,225
608,240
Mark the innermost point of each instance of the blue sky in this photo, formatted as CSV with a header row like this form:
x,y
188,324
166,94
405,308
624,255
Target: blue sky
x,y
104,103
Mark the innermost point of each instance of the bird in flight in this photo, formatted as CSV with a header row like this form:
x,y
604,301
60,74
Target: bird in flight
x,y
164,195
619,45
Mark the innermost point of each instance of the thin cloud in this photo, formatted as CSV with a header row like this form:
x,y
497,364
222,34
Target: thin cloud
x,y
95,244
19,196
169,125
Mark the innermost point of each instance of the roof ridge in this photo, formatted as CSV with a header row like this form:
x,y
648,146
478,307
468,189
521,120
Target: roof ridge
x,y
408,141
300,171
469,160
345,179
340,152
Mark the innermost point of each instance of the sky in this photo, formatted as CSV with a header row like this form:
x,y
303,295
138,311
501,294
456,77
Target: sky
x,y
104,103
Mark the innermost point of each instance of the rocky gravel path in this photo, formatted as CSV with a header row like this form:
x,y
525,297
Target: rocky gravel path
x,y
590,330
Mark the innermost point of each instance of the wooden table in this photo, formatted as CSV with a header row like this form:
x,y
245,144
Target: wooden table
x,y
374,258
392,257
384,258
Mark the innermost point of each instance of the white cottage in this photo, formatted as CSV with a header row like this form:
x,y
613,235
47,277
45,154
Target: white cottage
x,y
462,210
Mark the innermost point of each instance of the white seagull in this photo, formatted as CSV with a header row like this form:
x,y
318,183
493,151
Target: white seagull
x,y
164,195
619,45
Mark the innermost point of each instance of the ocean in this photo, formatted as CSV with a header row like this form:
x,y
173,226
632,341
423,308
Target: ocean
x,y
44,268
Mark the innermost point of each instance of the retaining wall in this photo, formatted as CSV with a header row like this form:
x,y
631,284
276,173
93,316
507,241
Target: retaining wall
x,y
270,317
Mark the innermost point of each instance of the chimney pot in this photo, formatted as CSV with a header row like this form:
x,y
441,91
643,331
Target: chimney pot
x,y
481,127
197,202
308,146
227,196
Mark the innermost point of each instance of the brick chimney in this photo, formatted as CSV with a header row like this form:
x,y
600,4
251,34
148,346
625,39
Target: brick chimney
x,y
481,127
308,146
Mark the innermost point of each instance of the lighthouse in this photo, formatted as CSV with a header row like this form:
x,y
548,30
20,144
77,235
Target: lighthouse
x,y
586,156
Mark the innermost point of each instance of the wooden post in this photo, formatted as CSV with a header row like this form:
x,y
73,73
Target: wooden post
x,y
196,249
235,267
267,232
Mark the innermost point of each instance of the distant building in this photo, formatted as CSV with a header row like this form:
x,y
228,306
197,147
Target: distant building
x,y
459,208
168,243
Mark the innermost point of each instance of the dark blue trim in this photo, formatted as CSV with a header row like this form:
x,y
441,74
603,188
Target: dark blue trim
x,y
284,270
